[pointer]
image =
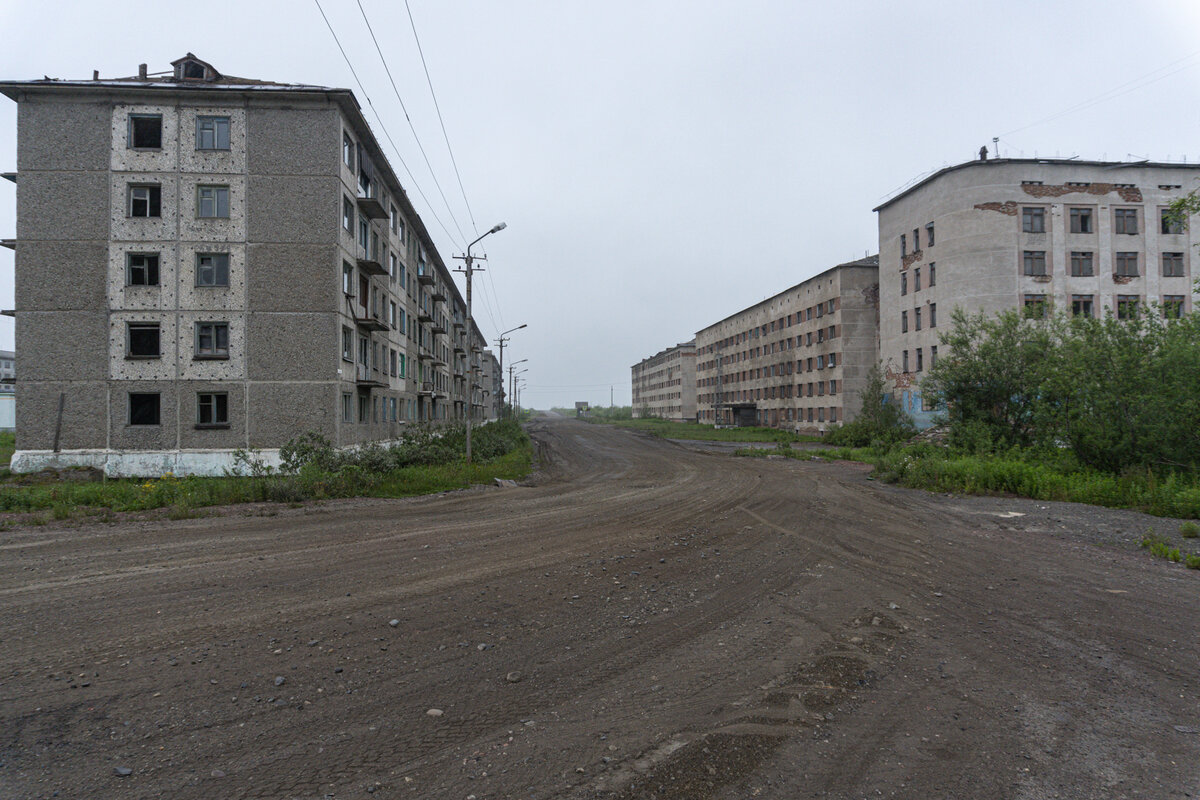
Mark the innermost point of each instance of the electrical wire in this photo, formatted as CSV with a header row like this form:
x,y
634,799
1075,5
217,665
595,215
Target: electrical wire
x,y
413,128
382,127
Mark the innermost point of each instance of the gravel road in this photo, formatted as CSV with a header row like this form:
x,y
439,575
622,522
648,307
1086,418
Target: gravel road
x,y
641,620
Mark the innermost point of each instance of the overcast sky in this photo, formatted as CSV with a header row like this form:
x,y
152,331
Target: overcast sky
x,y
662,165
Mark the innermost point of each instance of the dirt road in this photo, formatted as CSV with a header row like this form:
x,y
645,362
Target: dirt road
x,y
643,621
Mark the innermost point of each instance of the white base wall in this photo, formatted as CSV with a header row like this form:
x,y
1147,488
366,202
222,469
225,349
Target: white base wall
x,y
138,464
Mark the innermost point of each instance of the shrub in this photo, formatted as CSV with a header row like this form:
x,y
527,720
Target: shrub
x,y
1189,530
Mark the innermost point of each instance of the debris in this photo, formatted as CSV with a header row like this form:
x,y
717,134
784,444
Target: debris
x,y
505,483
513,677
279,680
1187,728
434,712
394,622
122,772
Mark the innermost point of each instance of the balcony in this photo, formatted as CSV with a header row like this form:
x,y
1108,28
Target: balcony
x,y
368,322
370,204
425,275
458,325
438,293
424,315
424,355
438,327
458,348
365,377
426,389
368,261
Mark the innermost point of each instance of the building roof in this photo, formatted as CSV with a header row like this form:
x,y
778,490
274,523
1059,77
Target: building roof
x,y
1041,161
867,262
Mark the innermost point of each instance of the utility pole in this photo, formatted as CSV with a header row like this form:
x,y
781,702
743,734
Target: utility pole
x,y
500,342
469,261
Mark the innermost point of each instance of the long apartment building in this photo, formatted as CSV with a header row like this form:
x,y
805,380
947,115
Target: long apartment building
x,y
992,235
206,263
664,385
797,360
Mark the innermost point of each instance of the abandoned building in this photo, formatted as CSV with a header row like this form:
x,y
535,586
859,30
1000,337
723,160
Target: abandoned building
x,y
664,385
206,263
797,360
990,235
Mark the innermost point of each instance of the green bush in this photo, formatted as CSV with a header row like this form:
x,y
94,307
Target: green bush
x,y
1189,530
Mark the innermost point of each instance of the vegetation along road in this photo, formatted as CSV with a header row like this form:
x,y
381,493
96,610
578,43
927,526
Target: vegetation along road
x,y
640,620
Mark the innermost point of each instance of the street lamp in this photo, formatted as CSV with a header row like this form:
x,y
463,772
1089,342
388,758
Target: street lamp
x,y
469,260
501,342
511,367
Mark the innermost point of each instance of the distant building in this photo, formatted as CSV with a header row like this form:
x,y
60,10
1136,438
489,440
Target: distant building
x,y
664,385
990,235
8,370
797,360
206,263
8,398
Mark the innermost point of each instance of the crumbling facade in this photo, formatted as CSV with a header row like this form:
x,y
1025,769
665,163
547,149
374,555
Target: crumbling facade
x,y
206,263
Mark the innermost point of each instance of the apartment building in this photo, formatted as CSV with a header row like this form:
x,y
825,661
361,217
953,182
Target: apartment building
x,y
206,263
992,235
664,385
797,360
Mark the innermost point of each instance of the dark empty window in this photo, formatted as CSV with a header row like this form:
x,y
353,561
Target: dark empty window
x,y
1081,220
212,409
212,340
1172,265
903,283
143,408
1172,306
141,269
933,315
932,274
145,200
142,340
1035,306
903,245
917,279
1081,305
929,234
1081,264
145,131
212,133
1170,222
1033,220
212,269
1127,306
1125,220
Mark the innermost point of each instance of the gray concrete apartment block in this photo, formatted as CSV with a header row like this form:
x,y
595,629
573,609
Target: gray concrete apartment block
x,y
664,385
797,360
205,263
992,235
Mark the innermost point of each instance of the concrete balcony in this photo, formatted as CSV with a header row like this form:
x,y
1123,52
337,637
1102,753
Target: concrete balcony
x,y
371,206
365,377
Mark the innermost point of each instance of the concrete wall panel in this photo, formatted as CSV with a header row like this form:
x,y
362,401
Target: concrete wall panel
x,y
122,367
314,277
232,160
124,228
142,298
292,347
193,437
292,209
85,414
60,276
61,205
215,298
164,436
58,135
127,159
58,345
293,141
279,412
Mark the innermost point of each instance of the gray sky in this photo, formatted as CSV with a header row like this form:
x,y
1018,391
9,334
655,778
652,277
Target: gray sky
x,y
661,165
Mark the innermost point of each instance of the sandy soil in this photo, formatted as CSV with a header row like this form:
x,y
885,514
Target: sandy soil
x,y
642,620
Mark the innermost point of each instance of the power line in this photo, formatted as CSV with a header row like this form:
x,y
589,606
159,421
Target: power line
x,y
420,146
383,127
439,114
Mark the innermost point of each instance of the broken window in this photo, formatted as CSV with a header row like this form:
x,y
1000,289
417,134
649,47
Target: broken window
x,y
1172,265
1033,219
929,234
145,131
212,202
145,200
920,359
1125,220
1169,223
212,340
1127,265
347,344
142,340
917,279
1172,306
903,283
1081,264
212,133
141,269
1127,306
1035,306
212,269
904,322
1081,305
348,214
212,409
1081,220
143,408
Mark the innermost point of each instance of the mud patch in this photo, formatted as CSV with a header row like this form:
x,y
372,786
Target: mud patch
x,y
702,767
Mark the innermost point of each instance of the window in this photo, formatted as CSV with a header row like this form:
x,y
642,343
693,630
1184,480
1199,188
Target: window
x,y
1168,223
920,359
905,361
364,409
1172,306
212,409
820,362
903,246
830,306
145,131
1125,220
347,150
212,340
904,322
141,269
145,200
933,315
395,364
347,344
1127,306
903,283
917,279
933,356
347,408
1081,305
929,234
932,274
392,313
833,387
917,318
393,266
916,240
1127,265
142,340
347,279
1035,306
212,202
1172,265
1081,264
143,408
403,360
364,235
833,359
348,214
212,269
1035,262
212,133
1081,220
1033,219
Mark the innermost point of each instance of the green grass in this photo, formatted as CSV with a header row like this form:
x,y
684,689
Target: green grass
x,y
8,445
705,433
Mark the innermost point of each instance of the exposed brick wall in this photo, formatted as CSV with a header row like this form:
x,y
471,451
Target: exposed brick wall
x,y
1130,194
1008,207
911,259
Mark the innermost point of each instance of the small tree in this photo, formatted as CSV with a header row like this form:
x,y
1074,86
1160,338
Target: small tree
x,y
879,420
